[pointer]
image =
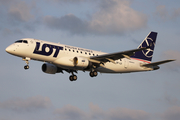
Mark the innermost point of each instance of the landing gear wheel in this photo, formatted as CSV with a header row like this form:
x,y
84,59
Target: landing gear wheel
x,y
93,73
26,67
73,78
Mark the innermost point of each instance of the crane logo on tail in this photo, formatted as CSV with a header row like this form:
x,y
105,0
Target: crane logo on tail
x,y
148,52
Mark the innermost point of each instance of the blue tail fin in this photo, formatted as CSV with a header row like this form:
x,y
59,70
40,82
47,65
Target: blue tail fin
x,y
147,54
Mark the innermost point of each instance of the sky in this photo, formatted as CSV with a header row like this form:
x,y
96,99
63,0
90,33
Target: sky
x,y
103,25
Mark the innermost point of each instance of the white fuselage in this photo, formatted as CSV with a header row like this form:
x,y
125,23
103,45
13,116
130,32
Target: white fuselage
x,y
57,53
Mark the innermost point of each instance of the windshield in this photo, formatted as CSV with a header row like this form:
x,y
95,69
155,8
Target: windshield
x,y
21,41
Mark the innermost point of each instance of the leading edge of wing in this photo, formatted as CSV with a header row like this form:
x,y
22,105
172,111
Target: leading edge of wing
x,y
115,56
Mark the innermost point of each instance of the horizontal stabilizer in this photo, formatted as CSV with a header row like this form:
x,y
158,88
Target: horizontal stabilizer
x,y
157,63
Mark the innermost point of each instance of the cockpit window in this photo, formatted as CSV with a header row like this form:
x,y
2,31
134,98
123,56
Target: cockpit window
x,y
21,41
25,41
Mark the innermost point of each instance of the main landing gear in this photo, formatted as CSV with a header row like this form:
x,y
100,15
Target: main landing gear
x,y
73,77
93,73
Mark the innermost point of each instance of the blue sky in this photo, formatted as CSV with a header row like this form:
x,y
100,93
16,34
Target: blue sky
x,y
103,25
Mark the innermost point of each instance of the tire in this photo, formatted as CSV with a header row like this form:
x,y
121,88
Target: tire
x,y
26,67
74,77
71,78
95,73
91,74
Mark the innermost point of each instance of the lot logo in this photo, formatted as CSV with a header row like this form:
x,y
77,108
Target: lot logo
x,y
148,52
47,49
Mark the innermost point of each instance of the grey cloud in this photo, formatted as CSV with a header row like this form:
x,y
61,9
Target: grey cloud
x,y
127,114
73,113
4,1
70,112
164,14
29,104
176,13
68,1
171,100
171,54
68,22
161,12
18,15
113,17
117,17
172,113
21,12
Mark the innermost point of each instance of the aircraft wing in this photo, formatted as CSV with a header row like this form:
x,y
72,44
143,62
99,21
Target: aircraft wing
x,y
157,63
115,56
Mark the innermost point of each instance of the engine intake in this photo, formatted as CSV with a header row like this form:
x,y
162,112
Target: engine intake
x,y
81,63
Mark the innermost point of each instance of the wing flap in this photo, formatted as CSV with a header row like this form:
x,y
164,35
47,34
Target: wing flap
x,y
157,63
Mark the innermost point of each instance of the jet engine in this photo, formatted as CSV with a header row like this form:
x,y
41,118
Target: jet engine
x,y
81,63
50,68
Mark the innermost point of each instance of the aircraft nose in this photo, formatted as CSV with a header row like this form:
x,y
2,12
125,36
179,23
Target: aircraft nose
x,y
10,49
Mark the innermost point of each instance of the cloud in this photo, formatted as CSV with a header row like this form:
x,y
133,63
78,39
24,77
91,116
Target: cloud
x,y
29,104
68,23
171,54
172,113
116,17
18,15
70,112
68,1
164,14
113,17
168,99
21,12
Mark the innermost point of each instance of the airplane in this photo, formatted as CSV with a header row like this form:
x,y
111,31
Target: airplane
x,y
60,57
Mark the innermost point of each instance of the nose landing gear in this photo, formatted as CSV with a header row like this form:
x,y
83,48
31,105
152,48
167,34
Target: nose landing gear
x,y
27,62
26,67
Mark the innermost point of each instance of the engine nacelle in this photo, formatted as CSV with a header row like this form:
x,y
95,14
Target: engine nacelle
x,y
49,68
81,63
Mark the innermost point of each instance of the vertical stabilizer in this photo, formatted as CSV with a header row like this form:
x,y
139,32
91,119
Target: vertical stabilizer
x,y
146,55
